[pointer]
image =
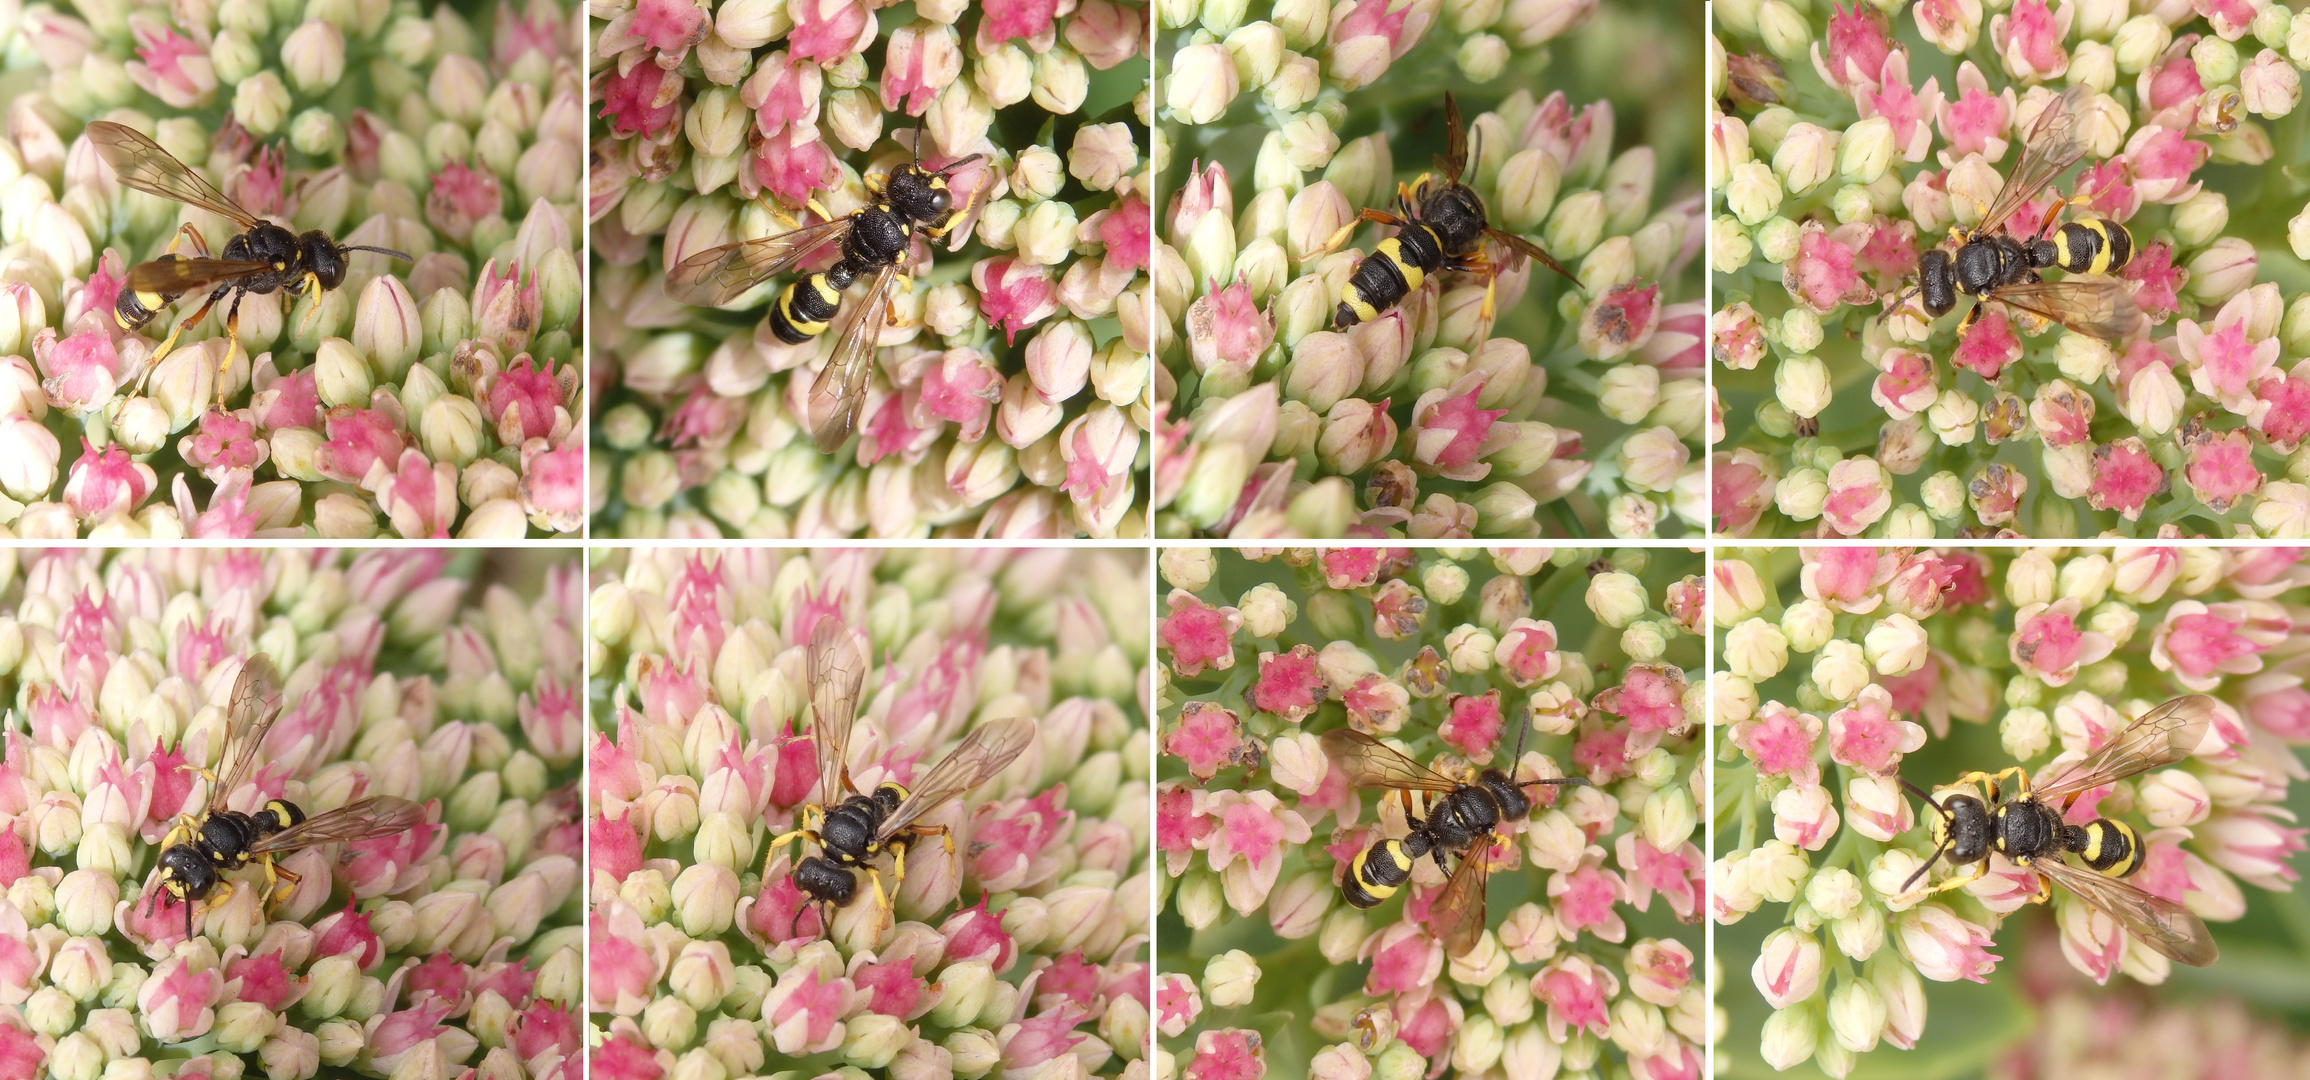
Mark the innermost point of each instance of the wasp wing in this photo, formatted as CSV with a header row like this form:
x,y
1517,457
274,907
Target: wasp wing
x,y
1519,246
2099,307
840,392
142,164
1371,763
716,276
2055,143
836,673
1455,159
367,819
1457,916
2154,921
175,277
2162,736
987,750
249,716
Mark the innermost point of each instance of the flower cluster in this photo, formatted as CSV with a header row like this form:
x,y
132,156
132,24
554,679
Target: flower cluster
x,y
1457,658
2076,1031
1478,400
1009,398
424,399
1013,946
450,949
1841,671
1856,138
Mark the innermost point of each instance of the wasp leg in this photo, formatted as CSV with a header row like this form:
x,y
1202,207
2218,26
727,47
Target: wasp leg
x,y
275,873
200,244
1994,781
233,332
182,325
808,832
1980,869
1364,215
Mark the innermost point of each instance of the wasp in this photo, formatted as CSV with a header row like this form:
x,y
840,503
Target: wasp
x,y
875,241
263,258
1459,819
2004,268
201,849
860,826
2031,832
1439,226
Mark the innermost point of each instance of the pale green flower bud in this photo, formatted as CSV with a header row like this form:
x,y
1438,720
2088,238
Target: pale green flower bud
x,y
1754,194
2140,41
261,102
314,57
1575,225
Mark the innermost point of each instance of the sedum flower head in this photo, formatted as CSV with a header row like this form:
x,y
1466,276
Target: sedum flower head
x,y
1859,668
433,398
448,680
1851,140
1020,947
1588,952
1009,394
1535,406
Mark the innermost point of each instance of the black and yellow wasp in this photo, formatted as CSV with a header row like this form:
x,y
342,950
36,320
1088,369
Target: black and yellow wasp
x,y
2031,832
200,850
263,258
2004,268
857,827
876,240
1439,226
1458,818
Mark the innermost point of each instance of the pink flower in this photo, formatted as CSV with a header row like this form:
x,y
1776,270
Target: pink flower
x,y
2246,842
1908,112
1197,634
2202,642
1577,991
790,167
1256,827
21,1055
2160,280
2281,410
802,1014
463,195
1226,1054
1011,843
1527,652
171,67
1944,947
1209,738
397,1033
1975,123
1741,487
964,387
1128,235
547,1027
975,933
2047,642
2124,477
2028,40
226,440
669,26
293,400
640,101
1177,1004
2221,470
83,370
1041,1038
2226,365
107,483
1988,345
506,310
1289,685
1404,957
1450,435
784,93
419,496
1587,899
1005,20
2162,159
553,487
828,30
523,400
178,1003
1675,875
622,1058
1621,321
623,965
1226,331
1378,19
1906,385
1788,968
1869,736
1780,740
1822,276
347,933
359,440
1473,723
1650,697
1850,580
1351,568
916,65
1013,295
1860,492
1859,40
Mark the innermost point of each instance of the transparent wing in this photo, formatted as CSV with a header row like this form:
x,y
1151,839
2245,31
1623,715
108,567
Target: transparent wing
x,y
2100,307
840,392
1371,763
1519,246
716,276
368,819
249,716
983,753
175,277
2154,921
142,164
836,673
1457,916
1455,160
2162,736
2055,143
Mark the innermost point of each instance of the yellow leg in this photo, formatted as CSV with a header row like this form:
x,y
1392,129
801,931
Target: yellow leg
x,y
1994,781
1979,870
275,874
812,819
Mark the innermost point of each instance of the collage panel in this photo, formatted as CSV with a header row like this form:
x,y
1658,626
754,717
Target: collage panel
x,y
2008,269
292,271
290,813
1429,270
2008,812
870,271
869,813
1522,899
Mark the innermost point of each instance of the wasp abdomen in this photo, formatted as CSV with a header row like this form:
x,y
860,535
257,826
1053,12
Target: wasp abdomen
x,y
805,309
1376,874
2093,246
1395,268
2111,847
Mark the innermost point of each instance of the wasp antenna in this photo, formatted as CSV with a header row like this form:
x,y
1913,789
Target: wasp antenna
x,y
1936,857
401,255
1923,794
951,166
